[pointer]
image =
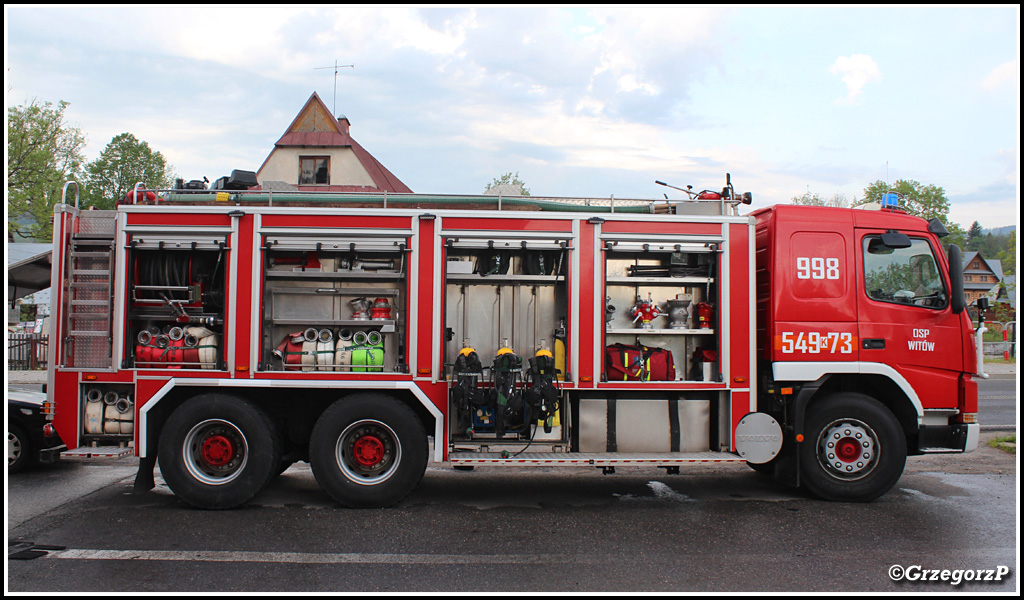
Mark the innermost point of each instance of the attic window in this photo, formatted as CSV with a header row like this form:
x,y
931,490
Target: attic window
x,y
314,170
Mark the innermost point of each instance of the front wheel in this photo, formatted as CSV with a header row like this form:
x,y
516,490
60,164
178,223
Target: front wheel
x,y
368,450
854,449
19,449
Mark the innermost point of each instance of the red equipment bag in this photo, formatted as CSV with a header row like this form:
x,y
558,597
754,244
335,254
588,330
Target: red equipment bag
x,y
638,363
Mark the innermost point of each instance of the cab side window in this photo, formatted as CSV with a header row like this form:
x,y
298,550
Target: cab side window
x,y
903,275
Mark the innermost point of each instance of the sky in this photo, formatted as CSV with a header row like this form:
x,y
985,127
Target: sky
x,y
580,101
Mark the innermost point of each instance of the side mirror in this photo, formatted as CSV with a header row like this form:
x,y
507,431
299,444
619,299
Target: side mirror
x,y
956,279
982,304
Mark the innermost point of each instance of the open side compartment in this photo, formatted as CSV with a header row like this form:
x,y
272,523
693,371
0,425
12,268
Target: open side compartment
x,y
176,302
334,304
506,310
661,322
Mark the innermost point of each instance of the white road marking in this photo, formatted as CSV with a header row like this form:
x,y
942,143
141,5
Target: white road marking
x,y
304,557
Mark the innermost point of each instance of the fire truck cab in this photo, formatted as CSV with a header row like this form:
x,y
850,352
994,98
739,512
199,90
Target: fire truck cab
x,y
225,335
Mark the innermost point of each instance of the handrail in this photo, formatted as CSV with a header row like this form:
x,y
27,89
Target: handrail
x,y
385,199
64,193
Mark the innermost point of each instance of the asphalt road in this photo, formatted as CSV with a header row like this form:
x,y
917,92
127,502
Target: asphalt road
x,y
724,529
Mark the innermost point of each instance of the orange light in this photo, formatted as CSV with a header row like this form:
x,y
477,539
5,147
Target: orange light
x,y
423,371
968,417
242,368
586,378
740,379
799,437
786,391
90,378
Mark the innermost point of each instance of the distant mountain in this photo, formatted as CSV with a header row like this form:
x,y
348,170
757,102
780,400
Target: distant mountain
x,y
1005,230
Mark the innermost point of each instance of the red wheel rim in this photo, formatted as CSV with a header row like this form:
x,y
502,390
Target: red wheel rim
x,y
848,450
368,450
218,450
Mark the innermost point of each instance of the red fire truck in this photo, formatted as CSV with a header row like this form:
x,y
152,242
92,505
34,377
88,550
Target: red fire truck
x,y
225,334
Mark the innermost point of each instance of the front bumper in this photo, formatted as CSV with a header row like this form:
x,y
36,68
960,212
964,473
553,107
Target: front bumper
x,y
962,437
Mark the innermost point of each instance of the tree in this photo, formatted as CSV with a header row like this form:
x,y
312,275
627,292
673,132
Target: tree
x,y
124,162
1008,257
925,201
43,152
809,199
972,236
509,179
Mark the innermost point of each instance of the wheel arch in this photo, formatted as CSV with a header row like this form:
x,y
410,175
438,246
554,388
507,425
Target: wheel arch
x,y
879,387
880,381
267,395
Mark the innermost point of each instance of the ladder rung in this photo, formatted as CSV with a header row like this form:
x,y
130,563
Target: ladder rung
x,y
75,272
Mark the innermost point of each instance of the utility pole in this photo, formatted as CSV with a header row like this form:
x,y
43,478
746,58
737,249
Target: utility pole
x,y
335,67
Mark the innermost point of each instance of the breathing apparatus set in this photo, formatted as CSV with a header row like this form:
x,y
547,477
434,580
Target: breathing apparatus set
x,y
515,402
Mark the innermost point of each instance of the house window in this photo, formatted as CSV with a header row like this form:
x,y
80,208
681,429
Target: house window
x,y
314,169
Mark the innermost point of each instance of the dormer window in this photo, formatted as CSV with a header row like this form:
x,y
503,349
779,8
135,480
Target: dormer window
x,y
314,170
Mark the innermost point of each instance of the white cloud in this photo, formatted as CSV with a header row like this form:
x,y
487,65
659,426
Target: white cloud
x,y
1005,73
856,71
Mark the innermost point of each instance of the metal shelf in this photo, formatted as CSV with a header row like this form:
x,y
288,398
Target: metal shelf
x,y
477,279
679,281
386,326
335,276
659,331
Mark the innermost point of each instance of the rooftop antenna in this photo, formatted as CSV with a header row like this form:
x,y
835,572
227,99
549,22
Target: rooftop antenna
x,y
335,67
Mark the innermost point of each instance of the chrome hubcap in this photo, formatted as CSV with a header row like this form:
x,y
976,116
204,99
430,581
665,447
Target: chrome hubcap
x,y
848,449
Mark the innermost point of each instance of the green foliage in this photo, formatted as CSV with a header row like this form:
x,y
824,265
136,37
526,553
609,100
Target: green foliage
x,y
972,236
1008,256
809,199
926,201
509,178
957,235
43,153
123,163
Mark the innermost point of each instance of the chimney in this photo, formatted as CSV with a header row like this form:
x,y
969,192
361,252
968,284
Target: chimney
x,y
343,124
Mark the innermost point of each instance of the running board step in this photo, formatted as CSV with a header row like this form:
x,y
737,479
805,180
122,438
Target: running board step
x,y
564,459
87,452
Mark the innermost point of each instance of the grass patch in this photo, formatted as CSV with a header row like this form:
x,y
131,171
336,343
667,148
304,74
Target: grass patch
x,y
1006,443
1000,361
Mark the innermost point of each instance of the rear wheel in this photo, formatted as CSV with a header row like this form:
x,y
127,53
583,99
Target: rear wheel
x,y
368,450
854,449
218,451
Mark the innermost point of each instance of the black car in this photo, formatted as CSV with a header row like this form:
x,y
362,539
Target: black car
x,y
30,437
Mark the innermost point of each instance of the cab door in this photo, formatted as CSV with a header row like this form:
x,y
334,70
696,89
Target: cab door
x,y
905,317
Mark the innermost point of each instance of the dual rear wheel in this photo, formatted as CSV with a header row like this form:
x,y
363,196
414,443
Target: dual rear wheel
x,y
218,451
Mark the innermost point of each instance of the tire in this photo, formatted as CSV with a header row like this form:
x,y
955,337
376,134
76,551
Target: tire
x,y
854,448
218,451
19,449
767,469
368,451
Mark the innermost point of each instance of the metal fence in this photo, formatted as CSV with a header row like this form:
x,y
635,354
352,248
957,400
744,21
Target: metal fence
x,y
28,351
